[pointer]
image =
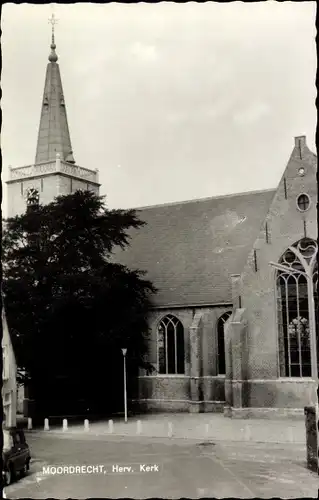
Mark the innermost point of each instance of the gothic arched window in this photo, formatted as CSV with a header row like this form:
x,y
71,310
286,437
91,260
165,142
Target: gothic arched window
x,y
170,345
221,365
297,302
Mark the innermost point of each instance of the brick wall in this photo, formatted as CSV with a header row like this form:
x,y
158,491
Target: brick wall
x,y
285,227
68,185
173,392
49,186
46,185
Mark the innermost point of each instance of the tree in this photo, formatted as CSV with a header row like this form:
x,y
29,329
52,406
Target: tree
x,y
70,307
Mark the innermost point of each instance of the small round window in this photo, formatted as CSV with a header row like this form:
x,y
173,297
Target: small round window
x,y
303,202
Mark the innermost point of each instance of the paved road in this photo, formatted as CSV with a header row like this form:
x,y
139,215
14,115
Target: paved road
x,y
186,468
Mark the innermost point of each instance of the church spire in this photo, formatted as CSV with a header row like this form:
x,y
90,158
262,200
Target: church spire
x,y
54,136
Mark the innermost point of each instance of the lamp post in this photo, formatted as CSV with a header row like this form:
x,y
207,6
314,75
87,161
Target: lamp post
x,y
124,351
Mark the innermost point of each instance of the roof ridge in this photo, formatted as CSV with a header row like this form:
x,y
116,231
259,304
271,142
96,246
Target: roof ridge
x,y
194,200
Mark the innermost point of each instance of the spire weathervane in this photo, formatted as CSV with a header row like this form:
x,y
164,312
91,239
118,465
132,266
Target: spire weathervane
x,y
53,21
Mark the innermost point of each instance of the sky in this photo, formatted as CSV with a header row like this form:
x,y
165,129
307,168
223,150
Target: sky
x,y
169,101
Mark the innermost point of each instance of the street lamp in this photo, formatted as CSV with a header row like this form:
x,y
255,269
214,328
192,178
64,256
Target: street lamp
x,y
124,351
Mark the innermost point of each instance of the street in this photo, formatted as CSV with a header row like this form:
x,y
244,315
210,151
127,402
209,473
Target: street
x,y
159,467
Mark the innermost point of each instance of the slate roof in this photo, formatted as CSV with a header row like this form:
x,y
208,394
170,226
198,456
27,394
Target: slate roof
x,y
190,249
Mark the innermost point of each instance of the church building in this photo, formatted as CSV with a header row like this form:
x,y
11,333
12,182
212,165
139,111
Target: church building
x,y
233,325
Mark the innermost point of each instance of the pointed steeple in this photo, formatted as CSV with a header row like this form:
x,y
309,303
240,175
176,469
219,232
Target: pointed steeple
x,y
54,136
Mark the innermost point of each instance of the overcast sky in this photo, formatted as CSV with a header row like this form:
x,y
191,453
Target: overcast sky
x,y
169,101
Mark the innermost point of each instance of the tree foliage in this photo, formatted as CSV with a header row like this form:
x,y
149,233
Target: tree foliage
x,y
70,307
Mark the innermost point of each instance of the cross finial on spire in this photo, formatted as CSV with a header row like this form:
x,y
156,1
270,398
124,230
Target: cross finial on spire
x,y
53,21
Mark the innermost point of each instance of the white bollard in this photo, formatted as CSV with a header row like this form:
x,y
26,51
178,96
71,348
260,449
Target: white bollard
x,y
170,429
111,426
290,434
29,423
139,427
247,433
46,424
206,429
65,424
86,425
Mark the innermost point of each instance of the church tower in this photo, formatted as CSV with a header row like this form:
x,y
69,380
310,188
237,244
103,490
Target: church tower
x,y
54,171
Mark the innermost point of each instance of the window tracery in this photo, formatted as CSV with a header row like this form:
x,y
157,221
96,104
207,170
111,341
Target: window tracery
x,y
221,363
170,346
296,281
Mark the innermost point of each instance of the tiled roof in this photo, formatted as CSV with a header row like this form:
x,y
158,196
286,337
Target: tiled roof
x,y
190,249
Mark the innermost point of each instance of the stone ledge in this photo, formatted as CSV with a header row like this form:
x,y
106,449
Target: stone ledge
x,y
264,413
161,376
185,405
